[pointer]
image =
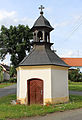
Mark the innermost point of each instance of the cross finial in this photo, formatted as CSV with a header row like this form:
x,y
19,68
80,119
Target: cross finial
x,y
41,7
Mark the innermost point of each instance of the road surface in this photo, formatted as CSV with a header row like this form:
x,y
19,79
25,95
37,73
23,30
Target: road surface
x,y
12,90
8,90
75,92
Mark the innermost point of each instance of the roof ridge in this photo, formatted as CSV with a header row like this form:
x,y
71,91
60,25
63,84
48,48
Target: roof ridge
x,y
48,55
37,20
43,19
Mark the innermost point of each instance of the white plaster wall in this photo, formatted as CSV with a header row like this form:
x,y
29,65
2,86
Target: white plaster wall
x,y
59,83
18,83
26,74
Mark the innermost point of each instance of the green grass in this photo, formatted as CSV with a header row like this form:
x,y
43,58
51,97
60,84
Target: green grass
x,y
2,85
75,83
75,86
17,111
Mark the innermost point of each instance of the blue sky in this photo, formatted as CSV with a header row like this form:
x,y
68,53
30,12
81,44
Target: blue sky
x,y
64,15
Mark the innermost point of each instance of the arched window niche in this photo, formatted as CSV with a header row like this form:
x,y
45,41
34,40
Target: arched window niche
x,y
40,36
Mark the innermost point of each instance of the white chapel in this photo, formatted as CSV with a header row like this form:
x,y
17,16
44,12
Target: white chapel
x,y
42,76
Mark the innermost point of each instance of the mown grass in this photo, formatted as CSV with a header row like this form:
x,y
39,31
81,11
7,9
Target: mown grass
x,y
17,111
75,86
2,85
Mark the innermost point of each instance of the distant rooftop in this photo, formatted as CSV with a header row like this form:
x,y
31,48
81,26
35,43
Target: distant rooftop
x,y
75,62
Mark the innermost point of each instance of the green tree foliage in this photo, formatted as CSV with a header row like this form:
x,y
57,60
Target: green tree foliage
x,y
1,74
75,75
12,71
15,41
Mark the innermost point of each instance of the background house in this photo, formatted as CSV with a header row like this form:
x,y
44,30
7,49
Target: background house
x,y
73,62
6,69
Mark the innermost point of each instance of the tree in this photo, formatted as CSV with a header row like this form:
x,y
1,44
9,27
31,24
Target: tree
x,y
15,41
12,71
75,75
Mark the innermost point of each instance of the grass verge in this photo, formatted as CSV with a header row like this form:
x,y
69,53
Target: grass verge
x,y
2,85
75,86
17,111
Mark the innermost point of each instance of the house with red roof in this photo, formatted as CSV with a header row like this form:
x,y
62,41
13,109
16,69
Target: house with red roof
x,y
74,62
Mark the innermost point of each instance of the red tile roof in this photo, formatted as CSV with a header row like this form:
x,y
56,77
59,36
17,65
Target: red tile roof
x,y
73,61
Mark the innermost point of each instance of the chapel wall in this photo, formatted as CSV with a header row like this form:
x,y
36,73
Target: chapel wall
x,y
59,85
29,73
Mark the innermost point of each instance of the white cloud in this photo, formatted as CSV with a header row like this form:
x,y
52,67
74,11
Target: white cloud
x,y
77,17
48,9
11,18
69,53
5,14
62,24
25,21
73,21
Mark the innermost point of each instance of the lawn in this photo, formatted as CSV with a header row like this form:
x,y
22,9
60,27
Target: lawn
x,y
17,111
2,85
75,86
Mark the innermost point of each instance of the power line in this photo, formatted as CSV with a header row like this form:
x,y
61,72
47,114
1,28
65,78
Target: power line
x,y
75,27
74,30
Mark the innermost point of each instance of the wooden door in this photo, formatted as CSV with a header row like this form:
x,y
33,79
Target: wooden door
x,y
35,91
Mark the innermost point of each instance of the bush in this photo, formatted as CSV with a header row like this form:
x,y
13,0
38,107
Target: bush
x,y
75,75
13,80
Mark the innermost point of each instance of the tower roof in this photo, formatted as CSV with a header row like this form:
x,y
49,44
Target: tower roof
x,y
42,55
42,22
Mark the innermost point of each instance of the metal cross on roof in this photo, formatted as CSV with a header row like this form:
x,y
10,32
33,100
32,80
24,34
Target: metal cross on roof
x,y
41,7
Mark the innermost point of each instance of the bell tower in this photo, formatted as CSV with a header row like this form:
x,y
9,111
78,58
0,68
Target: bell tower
x,y
41,28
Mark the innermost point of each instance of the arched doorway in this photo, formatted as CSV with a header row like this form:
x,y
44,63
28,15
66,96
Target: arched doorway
x,y
35,91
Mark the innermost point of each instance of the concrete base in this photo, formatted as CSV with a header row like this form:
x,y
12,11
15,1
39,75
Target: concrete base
x,y
56,100
47,100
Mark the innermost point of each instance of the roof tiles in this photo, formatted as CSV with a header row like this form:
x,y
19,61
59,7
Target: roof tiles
x,y
73,61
